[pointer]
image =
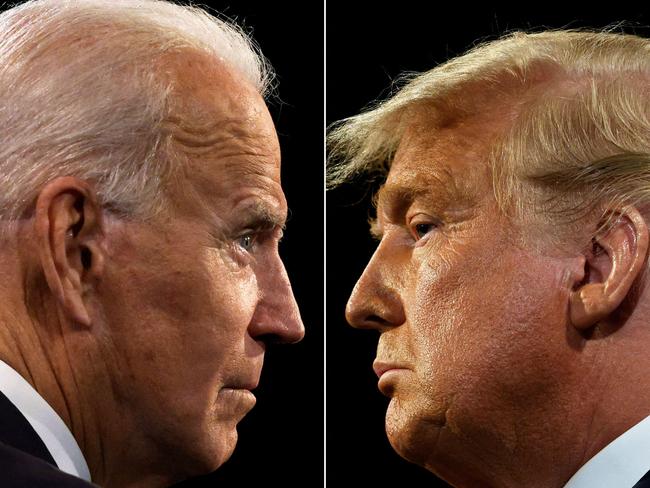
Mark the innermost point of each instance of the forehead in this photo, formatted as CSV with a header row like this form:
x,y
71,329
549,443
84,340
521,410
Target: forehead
x,y
220,127
448,158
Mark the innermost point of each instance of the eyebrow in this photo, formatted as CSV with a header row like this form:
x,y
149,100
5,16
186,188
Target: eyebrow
x,y
399,195
441,190
262,217
396,199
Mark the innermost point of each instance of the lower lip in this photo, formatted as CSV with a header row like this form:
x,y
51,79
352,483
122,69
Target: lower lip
x,y
388,379
237,398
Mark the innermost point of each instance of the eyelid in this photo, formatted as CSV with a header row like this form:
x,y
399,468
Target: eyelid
x,y
421,219
260,235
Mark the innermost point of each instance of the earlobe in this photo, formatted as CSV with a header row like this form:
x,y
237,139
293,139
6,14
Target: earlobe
x,y
68,229
617,260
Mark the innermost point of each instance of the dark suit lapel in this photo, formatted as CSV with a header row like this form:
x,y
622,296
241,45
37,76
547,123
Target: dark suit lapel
x,y
17,432
643,482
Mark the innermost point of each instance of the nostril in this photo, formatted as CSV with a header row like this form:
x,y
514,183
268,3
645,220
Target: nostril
x,y
269,339
376,315
278,338
376,319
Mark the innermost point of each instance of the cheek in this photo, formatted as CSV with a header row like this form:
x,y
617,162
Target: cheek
x,y
491,335
182,318
209,305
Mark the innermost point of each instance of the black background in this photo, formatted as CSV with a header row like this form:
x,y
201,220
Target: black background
x,y
366,50
281,439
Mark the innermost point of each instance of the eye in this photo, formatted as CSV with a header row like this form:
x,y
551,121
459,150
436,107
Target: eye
x,y
246,241
423,229
420,230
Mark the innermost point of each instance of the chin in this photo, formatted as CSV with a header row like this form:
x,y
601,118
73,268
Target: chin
x,y
224,444
211,450
413,433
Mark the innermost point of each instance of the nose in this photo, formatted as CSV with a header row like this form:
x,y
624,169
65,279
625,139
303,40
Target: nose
x,y
277,317
375,302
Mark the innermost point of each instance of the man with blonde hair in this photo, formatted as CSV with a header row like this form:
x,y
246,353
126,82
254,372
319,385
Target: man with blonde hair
x,y
509,282
140,215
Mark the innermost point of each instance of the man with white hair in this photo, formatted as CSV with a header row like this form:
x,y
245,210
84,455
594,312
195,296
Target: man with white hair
x,y
509,282
140,217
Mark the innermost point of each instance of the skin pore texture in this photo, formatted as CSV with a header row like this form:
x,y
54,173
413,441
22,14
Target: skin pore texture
x,y
147,337
507,364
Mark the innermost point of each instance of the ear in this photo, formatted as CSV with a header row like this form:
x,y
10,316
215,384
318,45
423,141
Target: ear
x,y
617,259
69,235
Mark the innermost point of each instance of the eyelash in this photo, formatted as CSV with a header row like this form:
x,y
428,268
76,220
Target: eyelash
x,y
249,237
423,228
249,240
417,230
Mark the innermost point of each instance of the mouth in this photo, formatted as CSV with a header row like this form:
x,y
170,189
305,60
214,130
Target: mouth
x,y
242,385
243,381
237,395
388,374
237,400
380,368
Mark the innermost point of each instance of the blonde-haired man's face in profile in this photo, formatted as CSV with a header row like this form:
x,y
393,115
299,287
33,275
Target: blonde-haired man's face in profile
x,y
474,347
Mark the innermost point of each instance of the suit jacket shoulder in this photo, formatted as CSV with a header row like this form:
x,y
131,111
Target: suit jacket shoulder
x,y
21,470
643,482
25,461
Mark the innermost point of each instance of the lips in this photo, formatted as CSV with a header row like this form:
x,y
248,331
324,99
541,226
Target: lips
x,y
381,367
389,374
236,397
242,385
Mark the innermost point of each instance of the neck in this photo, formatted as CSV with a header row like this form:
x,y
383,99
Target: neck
x,y
51,364
76,371
37,351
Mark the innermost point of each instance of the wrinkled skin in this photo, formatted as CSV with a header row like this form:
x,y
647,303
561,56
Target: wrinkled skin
x,y
147,337
208,285
490,384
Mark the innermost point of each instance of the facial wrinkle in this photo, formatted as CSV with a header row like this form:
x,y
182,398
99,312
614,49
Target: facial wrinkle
x,y
201,139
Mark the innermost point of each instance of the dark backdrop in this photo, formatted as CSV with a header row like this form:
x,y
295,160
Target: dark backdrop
x,y
281,439
366,50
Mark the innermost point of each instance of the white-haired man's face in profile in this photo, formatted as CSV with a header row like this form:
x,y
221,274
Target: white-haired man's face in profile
x,y
165,323
143,281
188,302
140,228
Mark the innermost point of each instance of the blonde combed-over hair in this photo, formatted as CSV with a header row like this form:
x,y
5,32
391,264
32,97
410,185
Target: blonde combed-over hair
x,y
578,139
84,92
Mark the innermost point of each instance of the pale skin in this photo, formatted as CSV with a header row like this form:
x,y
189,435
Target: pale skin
x,y
146,338
505,364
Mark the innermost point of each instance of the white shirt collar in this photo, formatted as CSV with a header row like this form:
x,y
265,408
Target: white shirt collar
x,y
46,422
621,463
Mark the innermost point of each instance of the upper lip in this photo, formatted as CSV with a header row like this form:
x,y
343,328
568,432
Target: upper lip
x,y
244,383
380,367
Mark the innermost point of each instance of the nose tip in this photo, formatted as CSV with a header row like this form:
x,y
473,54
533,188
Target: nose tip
x,y
277,323
277,317
361,313
292,328
295,331
354,313
372,305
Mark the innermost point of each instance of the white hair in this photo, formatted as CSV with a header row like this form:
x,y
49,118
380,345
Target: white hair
x,y
80,95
